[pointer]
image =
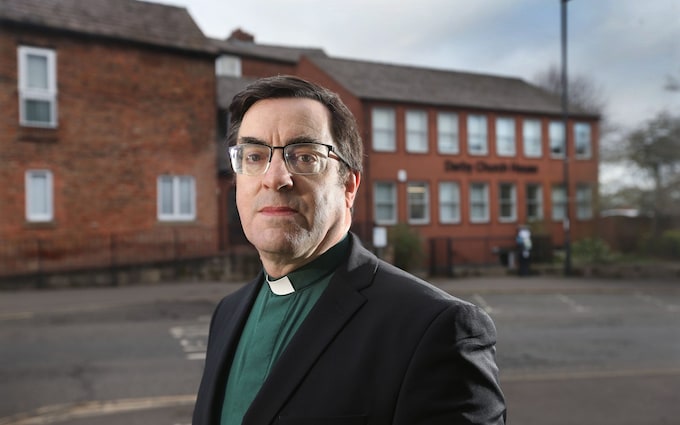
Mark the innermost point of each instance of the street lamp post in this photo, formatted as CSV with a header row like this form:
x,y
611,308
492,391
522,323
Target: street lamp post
x,y
565,119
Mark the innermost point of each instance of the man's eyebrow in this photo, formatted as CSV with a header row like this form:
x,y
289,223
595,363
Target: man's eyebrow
x,y
252,141
302,139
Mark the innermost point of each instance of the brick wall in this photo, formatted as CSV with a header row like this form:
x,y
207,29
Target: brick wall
x,y
126,114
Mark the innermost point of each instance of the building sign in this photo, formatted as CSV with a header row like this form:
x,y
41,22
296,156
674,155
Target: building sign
x,y
487,167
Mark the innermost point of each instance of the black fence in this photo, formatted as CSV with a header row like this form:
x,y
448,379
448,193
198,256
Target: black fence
x,y
447,253
30,256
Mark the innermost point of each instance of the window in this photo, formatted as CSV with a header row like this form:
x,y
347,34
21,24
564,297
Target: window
x,y
531,133
176,198
559,203
505,137
477,136
385,203
449,202
507,202
479,202
534,199
583,140
418,203
383,130
228,66
39,196
416,131
584,202
37,87
447,132
557,147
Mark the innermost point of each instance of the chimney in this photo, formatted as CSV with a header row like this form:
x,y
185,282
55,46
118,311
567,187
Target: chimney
x,y
240,35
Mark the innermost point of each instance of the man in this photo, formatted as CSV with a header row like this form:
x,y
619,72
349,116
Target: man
x,y
328,334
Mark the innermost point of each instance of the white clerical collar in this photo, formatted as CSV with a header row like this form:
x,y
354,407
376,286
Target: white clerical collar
x,y
281,286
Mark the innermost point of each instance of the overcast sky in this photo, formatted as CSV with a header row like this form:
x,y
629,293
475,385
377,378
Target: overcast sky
x,y
626,47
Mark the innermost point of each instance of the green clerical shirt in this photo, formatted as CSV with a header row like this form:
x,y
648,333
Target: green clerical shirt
x,y
273,321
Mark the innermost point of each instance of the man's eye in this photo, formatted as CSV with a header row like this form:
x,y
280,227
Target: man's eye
x,y
306,157
254,157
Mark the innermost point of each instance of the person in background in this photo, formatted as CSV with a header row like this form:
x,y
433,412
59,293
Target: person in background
x,y
523,250
327,333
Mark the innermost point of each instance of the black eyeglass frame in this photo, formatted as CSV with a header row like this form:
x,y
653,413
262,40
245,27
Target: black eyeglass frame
x,y
331,150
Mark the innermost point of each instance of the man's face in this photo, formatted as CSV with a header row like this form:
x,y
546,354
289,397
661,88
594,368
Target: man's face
x,y
291,219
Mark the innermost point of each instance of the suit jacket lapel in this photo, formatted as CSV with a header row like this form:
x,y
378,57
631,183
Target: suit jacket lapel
x,y
334,309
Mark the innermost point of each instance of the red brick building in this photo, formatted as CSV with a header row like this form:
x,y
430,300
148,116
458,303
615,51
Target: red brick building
x,y
462,158
108,124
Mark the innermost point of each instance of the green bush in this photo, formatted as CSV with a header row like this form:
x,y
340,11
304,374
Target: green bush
x,y
665,246
407,247
592,251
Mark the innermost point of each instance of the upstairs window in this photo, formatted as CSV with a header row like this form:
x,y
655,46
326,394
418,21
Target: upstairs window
x,y
416,131
477,135
531,133
447,132
176,198
228,66
383,130
37,87
583,140
505,137
39,206
557,146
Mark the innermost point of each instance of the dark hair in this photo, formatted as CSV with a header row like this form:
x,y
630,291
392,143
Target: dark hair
x,y
343,125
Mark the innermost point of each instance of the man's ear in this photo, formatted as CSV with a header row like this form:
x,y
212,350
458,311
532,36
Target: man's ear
x,y
351,187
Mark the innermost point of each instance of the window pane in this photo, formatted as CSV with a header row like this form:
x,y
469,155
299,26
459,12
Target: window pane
x,y
532,138
479,202
534,202
38,110
477,136
507,202
559,205
418,199
166,194
583,141
385,203
416,131
38,194
447,132
185,196
449,202
37,72
556,138
505,136
383,129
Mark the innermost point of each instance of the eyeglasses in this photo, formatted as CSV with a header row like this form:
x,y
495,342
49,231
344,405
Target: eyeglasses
x,y
303,158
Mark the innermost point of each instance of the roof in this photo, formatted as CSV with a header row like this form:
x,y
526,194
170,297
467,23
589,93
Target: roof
x,y
408,84
228,87
130,20
264,51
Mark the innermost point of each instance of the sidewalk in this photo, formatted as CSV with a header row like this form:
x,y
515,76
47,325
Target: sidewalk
x,y
28,303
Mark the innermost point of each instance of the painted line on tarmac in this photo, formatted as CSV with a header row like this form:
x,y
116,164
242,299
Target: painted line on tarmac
x,y
481,302
573,305
66,412
592,374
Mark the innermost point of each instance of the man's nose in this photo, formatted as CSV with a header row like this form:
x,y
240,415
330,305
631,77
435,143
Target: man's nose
x,y
277,176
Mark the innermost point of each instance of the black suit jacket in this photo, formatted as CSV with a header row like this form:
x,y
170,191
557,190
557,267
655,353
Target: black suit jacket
x,y
379,347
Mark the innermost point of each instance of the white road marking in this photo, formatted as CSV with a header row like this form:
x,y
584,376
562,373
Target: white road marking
x,y
193,339
578,308
481,302
65,412
657,302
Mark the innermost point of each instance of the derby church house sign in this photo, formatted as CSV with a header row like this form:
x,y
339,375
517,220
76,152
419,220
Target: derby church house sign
x,y
486,167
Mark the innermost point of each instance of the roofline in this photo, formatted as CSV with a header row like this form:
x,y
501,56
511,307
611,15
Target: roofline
x,y
205,51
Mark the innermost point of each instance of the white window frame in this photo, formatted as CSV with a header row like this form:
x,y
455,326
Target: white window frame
x,y
536,201
510,202
228,66
384,137
482,202
418,196
477,134
558,196
449,202
584,202
176,214
390,203
505,137
416,131
556,131
532,138
583,140
47,214
42,94
447,133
